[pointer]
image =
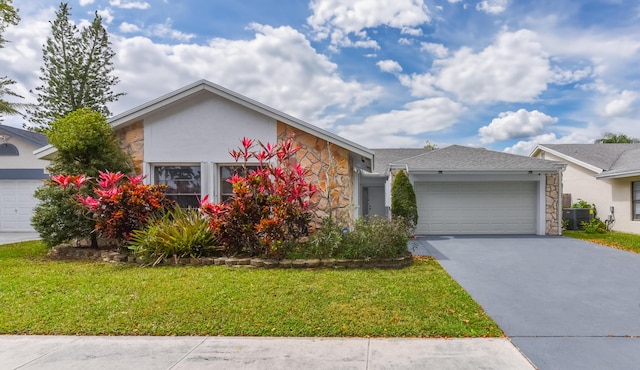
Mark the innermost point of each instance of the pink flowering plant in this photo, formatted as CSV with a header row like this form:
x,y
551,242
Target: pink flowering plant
x,y
116,203
269,208
123,204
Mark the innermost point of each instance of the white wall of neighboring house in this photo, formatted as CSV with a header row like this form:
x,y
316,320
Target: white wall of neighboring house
x,y
16,193
623,209
26,159
581,183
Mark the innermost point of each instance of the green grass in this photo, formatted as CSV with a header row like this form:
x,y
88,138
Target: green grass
x,y
40,296
624,241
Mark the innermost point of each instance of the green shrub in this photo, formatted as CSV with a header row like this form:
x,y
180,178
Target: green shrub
x,y
375,237
403,201
372,237
325,242
59,217
178,233
594,226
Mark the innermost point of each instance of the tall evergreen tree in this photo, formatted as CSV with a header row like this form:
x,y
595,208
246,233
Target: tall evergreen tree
x,y
8,16
77,71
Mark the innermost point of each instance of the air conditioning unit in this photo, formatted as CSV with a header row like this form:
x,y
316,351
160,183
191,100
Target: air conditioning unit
x,y
576,216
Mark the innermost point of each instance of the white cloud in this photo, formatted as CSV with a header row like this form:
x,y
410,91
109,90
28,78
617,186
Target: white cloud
x,y
421,85
566,76
86,2
130,4
493,6
411,31
514,69
515,125
621,105
341,19
128,28
401,127
527,147
165,30
106,15
404,41
390,66
437,50
278,67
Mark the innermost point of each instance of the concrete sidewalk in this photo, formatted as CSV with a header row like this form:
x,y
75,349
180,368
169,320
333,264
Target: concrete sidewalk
x,y
14,237
141,353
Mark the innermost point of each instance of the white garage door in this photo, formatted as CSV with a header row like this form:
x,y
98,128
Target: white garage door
x,y
476,207
17,203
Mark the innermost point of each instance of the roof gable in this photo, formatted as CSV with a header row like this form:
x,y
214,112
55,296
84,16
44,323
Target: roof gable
x,y
138,113
31,137
390,155
467,159
606,160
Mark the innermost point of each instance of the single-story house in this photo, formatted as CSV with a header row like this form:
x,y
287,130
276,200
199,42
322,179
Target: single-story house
x,y
21,173
607,175
183,140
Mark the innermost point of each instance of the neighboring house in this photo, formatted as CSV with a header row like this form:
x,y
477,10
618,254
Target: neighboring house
x,y
183,140
20,174
464,190
607,175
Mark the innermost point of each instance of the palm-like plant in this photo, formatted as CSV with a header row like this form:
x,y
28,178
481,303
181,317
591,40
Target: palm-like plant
x,y
611,138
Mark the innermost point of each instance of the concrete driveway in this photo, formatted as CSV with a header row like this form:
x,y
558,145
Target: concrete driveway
x,y
567,304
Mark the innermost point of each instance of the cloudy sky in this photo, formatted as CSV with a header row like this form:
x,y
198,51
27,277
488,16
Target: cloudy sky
x,y
502,74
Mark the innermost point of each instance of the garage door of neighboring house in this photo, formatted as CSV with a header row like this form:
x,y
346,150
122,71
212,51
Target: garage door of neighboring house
x,y
17,203
507,207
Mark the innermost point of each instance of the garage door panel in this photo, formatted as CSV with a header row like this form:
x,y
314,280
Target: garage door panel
x,y
476,207
17,204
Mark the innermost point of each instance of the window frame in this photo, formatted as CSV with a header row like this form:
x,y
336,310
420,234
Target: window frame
x,y
176,196
222,180
635,200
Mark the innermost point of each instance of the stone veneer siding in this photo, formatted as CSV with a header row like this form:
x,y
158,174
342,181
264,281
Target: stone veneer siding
x,y
330,169
552,203
132,142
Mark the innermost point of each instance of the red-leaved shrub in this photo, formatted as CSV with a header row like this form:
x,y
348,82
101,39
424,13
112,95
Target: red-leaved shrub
x,y
269,208
121,203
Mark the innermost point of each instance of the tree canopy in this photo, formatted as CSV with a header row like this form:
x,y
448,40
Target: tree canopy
x,y
611,138
77,71
403,200
86,144
8,16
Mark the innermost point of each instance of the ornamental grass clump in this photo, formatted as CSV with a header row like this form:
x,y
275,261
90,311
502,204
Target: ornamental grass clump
x,y
269,209
176,234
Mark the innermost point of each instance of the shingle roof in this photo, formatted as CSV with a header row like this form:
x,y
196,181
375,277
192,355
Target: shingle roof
x,y
385,156
462,158
34,138
610,159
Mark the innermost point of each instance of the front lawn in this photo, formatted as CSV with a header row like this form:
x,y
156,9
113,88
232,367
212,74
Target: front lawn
x,y
624,241
39,296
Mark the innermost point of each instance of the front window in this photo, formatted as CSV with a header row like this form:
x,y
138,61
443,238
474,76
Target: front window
x,y
635,198
226,189
183,182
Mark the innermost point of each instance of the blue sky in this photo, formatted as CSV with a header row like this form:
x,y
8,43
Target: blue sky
x,y
501,74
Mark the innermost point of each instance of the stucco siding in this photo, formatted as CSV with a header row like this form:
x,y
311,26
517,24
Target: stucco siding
x,y
25,159
622,206
202,129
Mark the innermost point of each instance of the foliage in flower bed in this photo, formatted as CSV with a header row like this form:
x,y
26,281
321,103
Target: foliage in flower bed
x,y
124,204
178,233
372,237
269,209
